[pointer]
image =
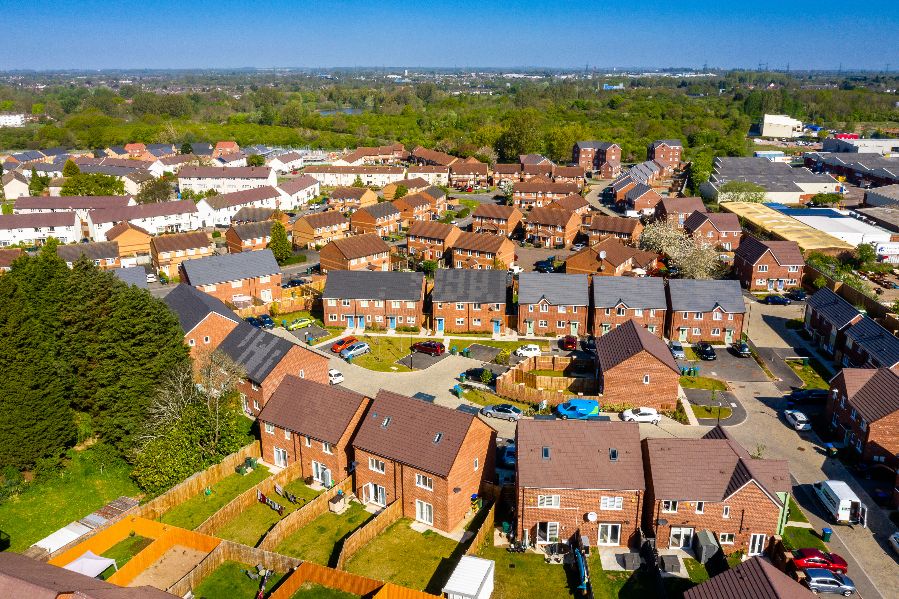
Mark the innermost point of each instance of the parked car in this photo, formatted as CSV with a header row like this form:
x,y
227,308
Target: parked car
x,y
503,411
578,409
808,395
677,350
507,455
255,322
705,351
820,580
151,278
650,415
356,349
528,351
894,542
266,321
432,348
589,344
335,377
797,420
300,323
568,343
815,558
292,283
544,267
741,348
798,295
342,344
777,300
578,247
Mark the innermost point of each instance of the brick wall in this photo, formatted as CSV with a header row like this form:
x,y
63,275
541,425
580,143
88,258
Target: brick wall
x,y
427,249
459,258
878,439
331,259
729,240
305,236
237,245
624,384
299,362
253,287
376,316
208,334
552,318
486,313
480,445
706,326
609,316
750,275
168,262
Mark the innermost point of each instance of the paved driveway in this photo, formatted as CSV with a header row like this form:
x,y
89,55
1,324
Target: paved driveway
x,y
767,325
420,361
729,367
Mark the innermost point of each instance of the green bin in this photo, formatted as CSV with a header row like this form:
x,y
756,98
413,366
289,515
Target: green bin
x,y
826,533
454,350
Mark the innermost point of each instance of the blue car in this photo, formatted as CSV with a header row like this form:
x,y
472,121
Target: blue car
x,y
578,409
776,300
253,321
267,321
356,349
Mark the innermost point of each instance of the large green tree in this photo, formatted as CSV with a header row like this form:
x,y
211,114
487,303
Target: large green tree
x,y
255,160
279,244
154,190
92,184
70,169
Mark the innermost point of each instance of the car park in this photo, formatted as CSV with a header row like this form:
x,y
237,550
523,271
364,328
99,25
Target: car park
x,y
776,300
819,580
568,343
677,350
267,322
578,409
650,415
528,351
741,349
300,323
255,322
335,377
798,420
815,558
705,351
356,349
503,411
342,344
432,348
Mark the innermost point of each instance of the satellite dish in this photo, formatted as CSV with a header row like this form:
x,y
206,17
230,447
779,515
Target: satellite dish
x,y
592,517
602,255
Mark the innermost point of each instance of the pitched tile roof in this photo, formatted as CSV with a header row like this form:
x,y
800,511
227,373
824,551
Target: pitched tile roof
x,y
690,205
406,430
672,143
230,267
544,187
432,229
721,221
434,193
351,170
348,193
325,219
691,295
224,172
413,183
568,171
132,275
97,250
571,202
8,256
597,145
257,351
123,226
550,215
499,211
614,224
753,579
292,186
506,169
322,412
70,202
628,340
37,220
359,246
469,168
413,200
255,230
366,284
579,455
881,346
613,251
470,286
878,394
633,292
833,308
114,215
481,242
252,214
381,210
246,196
556,288
786,253
191,306
173,242
440,158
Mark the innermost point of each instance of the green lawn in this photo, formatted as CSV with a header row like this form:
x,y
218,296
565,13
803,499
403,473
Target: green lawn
x,y
795,537
814,375
387,557
485,398
195,510
80,488
320,541
252,524
796,514
123,551
711,411
695,570
229,581
510,345
310,590
472,204
690,354
385,351
702,382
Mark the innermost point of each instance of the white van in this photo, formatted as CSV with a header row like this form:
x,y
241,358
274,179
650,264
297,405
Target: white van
x,y
841,502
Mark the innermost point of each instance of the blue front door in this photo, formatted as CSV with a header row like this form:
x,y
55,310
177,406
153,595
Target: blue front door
x,y
350,322
495,327
439,325
391,322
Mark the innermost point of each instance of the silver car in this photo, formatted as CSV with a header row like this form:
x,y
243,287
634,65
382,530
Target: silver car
x,y
677,350
503,411
820,580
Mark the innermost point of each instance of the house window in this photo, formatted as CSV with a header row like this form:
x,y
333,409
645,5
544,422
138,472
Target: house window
x,y
541,324
852,414
685,315
638,311
345,303
608,311
611,503
645,379
716,315
477,464
376,465
862,424
725,511
697,331
716,332
530,306
287,434
621,311
545,453
560,309
332,317
763,268
332,302
652,313
460,321
425,482
395,304
327,447
669,507
544,307
191,342
410,319
700,507
560,324
254,386
460,306
269,428
549,500
697,316
206,339
726,538
255,404
476,322
792,269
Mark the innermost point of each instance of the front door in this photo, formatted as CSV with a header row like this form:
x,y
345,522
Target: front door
x,y
574,325
609,534
496,327
350,322
728,336
391,322
424,512
682,334
757,544
439,322
266,295
280,457
530,327
770,284
680,537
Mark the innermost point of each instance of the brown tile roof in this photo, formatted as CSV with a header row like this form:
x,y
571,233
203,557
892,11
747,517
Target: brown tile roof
x,y
568,171
876,398
855,378
414,200
540,186
121,228
180,241
71,202
786,253
579,455
406,430
571,202
481,242
37,220
507,169
292,186
348,193
548,215
469,168
97,250
315,410
359,246
224,172
114,215
8,256
681,205
614,224
627,341
427,168
354,170
325,219
439,158
722,221
432,229
499,211
413,183
753,579
246,196
537,169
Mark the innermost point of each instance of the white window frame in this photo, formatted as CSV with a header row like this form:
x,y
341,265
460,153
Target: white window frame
x,y
269,429
423,481
611,503
671,506
549,501
376,465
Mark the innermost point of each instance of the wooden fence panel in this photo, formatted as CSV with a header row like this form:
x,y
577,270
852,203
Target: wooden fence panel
x,y
171,537
326,577
376,526
484,534
303,516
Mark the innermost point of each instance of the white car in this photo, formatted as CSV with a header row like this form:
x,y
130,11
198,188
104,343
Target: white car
x,y
335,377
515,269
649,415
797,420
530,350
578,247
151,278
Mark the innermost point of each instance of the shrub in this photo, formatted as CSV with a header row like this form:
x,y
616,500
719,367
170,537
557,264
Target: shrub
x,y
503,356
216,234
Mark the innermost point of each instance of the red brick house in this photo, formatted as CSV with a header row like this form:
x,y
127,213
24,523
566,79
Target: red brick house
x,y
768,265
374,300
595,155
422,155
863,410
636,368
573,203
617,300
414,207
382,219
236,278
469,174
620,186
713,484
641,199
552,304
496,219
869,345
431,240
676,210
827,318
430,458
665,150
506,172
205,320
249,237
718,229
755,578
611,257
350,199
551,227
532,194
222,148
167,252
359,252
601,227
705,310
567,469
468,301
103,254
482,251
569,174
314,424
539,172
320,228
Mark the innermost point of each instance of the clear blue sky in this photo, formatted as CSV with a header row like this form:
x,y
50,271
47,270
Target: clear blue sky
x,y
197,33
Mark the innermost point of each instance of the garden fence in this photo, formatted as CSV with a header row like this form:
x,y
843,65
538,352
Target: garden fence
x,y
376,526
303,516
484,534
326,577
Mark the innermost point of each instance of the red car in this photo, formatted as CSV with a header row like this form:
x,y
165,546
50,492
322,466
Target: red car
x,y
342,344
815,558
568,342
432,348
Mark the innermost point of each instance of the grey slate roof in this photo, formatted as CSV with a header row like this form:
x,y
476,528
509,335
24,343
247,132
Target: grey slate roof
x,y
880,345
191,305
597,145
832,308
634,292
752,579
671,143
469,286
381,210
230,267
132,275
97,250
691,295
773,176
367,284
556,288
256,350
254,230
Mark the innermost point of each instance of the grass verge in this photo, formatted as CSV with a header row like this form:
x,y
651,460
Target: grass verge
x,y
711,412
702,382
796,537
814,375
195,510
796,514
485,398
